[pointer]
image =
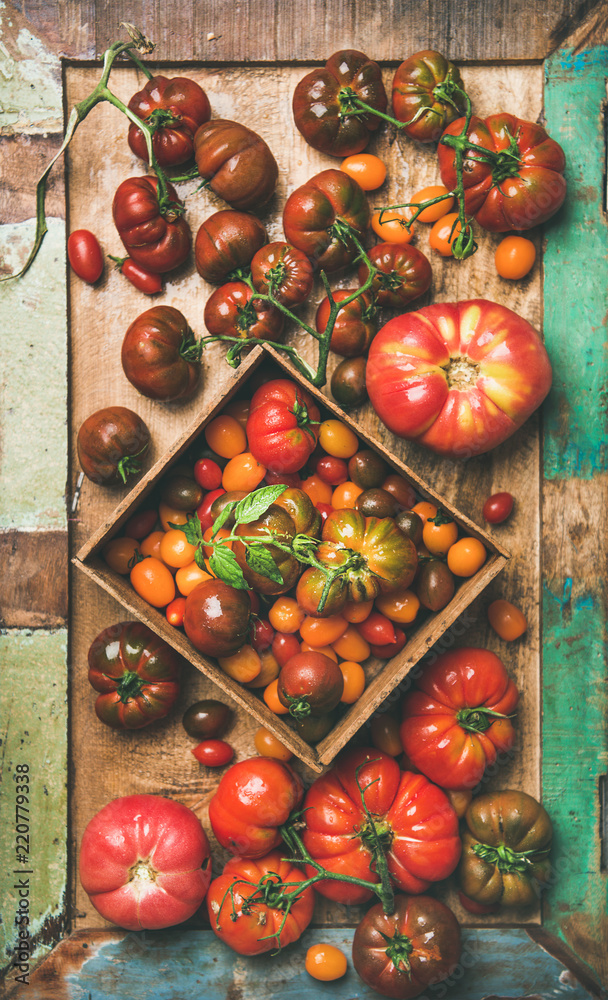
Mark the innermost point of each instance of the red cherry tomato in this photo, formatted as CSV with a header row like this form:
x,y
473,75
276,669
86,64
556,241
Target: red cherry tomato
x,y
377,630
175,611
390,649
324,509
208,474
144,281
85,256
284,646
498,507
261,635
332,470
204,511
213,753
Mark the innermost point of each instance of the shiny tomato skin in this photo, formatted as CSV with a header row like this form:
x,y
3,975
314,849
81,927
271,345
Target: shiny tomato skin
x,y
233,311
369,171
280,438
312,210
527,199
153,581
217,618
433,934
156,353
514,257
413,95
321,115
459,378
354,327
183,99
254,927
446,731
425,845
158,243
109,440
443,234
394,225
325,962
236,162
390,649
85,256
145,281
377,630
135,673
252,800
404,274
498,507
157,836
310,684
226,241
213,753
297,273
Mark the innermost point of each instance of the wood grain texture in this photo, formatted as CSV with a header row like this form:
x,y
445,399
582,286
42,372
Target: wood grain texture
x,y
268,31
157,759
34,579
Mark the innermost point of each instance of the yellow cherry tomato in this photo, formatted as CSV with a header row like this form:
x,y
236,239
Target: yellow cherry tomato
x,y
366,169
269,671
271,697
171,515
344,497
325,962
354,681
151,544
188,577
395,226
466,556
225,436
267,745
351,645
243,472
243,666
119,552
438,538
175,550
337,439
439,209
507,621
400,606
443,234
152,580
514,257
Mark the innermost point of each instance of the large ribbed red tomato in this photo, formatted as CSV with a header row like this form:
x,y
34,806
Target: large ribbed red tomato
x,y
174,108
145,862
458,377
415,822
283,425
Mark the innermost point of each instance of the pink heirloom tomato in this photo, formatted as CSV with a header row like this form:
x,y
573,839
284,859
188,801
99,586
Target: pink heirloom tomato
x,y
458,377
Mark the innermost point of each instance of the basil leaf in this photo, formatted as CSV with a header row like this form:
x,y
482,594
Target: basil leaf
x,y
224,565
222,517
192,529
260,560
257,503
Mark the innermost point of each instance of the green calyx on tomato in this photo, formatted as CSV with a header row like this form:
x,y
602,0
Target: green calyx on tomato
x,y
128,465
161,118
506,859
478,720
441,517
129,686
399,948
190,349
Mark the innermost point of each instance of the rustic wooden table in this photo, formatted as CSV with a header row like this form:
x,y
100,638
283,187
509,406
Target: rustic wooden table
x,y
62,362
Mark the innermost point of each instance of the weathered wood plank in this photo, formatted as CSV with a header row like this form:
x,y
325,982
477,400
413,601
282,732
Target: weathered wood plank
x,y
574,501
34,579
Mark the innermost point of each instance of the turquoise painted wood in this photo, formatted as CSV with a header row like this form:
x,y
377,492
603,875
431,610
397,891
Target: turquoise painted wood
x,y
575,730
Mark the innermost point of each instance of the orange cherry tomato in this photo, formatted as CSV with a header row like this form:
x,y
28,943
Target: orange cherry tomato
x,y
354,681
323,631
337,439
171,515
384,732
443,234
425,510
366,169
222,533
400,606
243,472
267,745
507,621
175,611
357,612
286,615
351,645
466,556
394,225
151,545
438,538
239,409
326,650
269,670
325,962
514,257
152,580
175,550
439,209
119,552
271,697
225,436
188,577
318,490
243,666
345,496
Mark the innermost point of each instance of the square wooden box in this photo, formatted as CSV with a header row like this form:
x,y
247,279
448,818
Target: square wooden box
x,y
382,675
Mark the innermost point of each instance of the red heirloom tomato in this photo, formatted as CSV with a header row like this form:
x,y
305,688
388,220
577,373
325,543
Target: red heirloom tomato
x,y
421,88
323,99
415,947
84,255
145,862
416,823
137,674
289,270
310,684
175,108
236,163
160,356
233,311
217,618
458,719
354,328
404,273
243,916
109,444
155,241
524,188
457,377
314,217
283,426
226,241
252,800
